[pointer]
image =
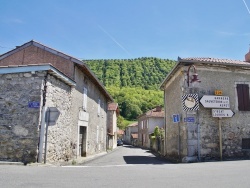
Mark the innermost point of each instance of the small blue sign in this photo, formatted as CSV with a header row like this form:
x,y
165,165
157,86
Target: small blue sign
x,y
176,118
34,104
189,119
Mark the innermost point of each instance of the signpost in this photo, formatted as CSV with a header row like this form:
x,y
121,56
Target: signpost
x,y
213,101
222,113
52,115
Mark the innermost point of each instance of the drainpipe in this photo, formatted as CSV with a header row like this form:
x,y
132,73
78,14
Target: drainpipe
x,y
43,122
165,126
46,134
199,148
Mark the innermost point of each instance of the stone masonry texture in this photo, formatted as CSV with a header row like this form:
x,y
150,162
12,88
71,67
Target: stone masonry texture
x,y
19,132
234,129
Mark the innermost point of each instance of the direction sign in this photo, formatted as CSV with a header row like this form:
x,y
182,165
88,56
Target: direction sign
x,y
213,101
222,113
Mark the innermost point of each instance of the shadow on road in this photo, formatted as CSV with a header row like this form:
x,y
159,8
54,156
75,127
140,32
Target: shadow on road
x,y
144,160
130,146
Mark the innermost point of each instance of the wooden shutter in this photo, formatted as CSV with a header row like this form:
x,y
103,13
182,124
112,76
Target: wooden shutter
x,y
243,97
246,97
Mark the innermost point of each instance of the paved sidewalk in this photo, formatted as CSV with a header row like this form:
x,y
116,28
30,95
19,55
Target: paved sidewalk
x,y
79,160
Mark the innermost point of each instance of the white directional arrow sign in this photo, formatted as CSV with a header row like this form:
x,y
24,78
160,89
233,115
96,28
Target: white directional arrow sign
x,y
214,101
222,113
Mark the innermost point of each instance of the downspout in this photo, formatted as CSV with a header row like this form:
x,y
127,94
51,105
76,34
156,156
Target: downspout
x,y
43,122
165,125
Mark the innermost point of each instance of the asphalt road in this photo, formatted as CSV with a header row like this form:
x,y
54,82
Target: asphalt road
x,y
129,167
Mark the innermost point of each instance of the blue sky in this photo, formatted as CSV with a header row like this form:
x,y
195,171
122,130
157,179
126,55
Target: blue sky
x,y
123,29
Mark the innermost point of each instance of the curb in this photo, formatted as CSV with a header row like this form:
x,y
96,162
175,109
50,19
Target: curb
x,y
78,161
11,163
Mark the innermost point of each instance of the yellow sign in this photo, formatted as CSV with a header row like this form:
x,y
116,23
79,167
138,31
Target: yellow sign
x,y
218,92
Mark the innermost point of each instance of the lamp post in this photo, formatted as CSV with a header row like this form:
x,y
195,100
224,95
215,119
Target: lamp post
x,y
194,76
193,79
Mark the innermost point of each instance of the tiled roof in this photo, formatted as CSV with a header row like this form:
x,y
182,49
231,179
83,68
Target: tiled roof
x,y
112,106
78,62
133,124
120,132
214,60
153,113
205,60
134,135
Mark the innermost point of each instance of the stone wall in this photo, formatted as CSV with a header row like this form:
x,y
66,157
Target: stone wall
x,y
173,105
60,146
206,144
234,128
19,132
97,124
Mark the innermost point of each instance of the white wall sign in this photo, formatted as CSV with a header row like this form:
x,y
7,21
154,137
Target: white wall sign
x,y
222,113
213,101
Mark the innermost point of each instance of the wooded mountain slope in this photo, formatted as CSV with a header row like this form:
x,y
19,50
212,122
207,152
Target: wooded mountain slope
x,y
133,83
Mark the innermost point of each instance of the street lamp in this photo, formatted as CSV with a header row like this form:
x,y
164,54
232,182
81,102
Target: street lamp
x,y
194,76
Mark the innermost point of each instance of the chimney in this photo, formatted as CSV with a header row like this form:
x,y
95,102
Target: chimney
x,y
247,57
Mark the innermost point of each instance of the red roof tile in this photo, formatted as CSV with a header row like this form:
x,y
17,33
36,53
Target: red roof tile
x,y
112,106
134,135
153,113
214,60
133,124
120,132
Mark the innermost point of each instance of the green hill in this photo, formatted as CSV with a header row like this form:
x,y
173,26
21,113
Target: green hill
x,y
133,83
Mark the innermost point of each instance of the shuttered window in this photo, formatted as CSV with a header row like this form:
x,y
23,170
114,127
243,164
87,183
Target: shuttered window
x,y
243,97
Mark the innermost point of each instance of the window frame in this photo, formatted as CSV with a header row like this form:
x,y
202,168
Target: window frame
x,y
85,98
243,96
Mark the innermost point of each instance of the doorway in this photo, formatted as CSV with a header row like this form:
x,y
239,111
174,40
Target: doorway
x,y
82,141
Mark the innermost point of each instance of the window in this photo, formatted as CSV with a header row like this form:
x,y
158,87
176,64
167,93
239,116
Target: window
x,y
97,134
99,107
245,143
243,97
103,109
85,91
102,136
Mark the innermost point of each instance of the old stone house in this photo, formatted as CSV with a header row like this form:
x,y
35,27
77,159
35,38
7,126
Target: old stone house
x,y
147,123
35,79
113,112
131,134
207,109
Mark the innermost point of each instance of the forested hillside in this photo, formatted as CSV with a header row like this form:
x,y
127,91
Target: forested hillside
x,y
133,83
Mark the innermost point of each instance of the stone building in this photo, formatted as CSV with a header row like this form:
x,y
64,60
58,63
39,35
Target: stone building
x,y
207,109
131,134
147,123
113,112
34,79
